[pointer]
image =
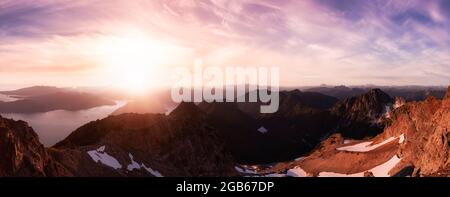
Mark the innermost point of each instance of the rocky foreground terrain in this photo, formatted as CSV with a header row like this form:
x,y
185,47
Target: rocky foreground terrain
x,y
415,142
371,134
180,144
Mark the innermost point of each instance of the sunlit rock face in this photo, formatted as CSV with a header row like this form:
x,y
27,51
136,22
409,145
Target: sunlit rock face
x,y
21,153
426,126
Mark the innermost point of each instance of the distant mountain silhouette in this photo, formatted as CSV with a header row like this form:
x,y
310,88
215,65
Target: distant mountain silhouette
x,y
64,100
340,92
34,91
415,94
409,93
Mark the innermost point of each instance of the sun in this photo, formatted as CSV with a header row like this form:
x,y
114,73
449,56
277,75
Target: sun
x,y
134,60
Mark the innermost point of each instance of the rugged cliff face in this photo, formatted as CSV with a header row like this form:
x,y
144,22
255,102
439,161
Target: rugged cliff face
x,y
426,127
21,152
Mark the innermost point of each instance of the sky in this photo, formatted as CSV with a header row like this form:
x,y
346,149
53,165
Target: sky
x,y
108,43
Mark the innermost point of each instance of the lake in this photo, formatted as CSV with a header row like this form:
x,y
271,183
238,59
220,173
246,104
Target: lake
x,y
54,126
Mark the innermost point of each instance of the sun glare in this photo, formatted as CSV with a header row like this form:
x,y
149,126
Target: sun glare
x,y
134,60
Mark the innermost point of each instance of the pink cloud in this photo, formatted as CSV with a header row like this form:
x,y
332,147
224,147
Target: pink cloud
x,y
320,40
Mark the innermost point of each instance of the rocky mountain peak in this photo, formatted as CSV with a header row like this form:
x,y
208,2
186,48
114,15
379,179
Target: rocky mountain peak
x,y
22,153
362,116
379,95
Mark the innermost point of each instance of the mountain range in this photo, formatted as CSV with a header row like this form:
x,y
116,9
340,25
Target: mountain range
x,y
45,98
313,134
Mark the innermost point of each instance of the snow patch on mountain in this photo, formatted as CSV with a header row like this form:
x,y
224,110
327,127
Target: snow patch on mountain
x,y
368,146
381,170
135,165
101,156
262,130
245,170
297,172
275,175
151,171
299,158
334,174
